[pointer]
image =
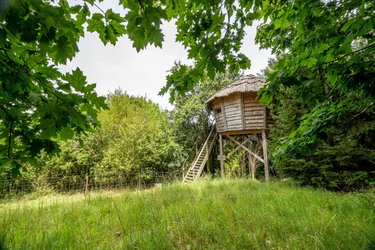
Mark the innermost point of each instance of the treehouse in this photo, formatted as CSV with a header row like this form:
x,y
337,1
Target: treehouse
x,y
237,109
241,120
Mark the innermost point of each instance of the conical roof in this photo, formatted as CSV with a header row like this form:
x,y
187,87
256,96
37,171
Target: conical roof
x,y
245,84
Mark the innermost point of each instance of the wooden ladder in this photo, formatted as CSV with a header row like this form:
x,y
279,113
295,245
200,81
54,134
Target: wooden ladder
x,y
201,158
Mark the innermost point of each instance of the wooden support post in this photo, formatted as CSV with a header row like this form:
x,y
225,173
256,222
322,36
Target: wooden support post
x,y
221,156
249,162
253,163
209,163
265,156
243,163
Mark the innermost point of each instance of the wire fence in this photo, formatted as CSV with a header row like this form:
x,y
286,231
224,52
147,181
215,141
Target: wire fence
x,y
10,188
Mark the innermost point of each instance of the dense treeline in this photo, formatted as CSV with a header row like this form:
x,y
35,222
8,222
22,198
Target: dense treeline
x,y
321,87
135,143
138,142
322,90
342,156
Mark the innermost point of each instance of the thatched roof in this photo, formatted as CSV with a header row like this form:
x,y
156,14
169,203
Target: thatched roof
x,y
248,83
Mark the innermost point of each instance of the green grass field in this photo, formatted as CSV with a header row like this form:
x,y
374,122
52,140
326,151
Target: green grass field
x,y
226,214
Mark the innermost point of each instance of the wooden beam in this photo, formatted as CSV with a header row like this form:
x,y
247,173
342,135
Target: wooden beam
x,y
243,165
265,156
243,132
221,156
248,150
238,147
252,164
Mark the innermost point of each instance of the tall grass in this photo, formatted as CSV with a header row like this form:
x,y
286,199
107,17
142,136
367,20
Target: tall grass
x,y
236,214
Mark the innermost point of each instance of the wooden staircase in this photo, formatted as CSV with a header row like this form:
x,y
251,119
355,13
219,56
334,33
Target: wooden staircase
x,y
201,158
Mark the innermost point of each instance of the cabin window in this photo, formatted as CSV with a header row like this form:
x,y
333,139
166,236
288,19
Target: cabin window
x,y
218,110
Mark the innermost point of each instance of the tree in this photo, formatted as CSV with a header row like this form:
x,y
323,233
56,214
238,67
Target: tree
x,y
325,66
327,41
40,105
135,143
321,94
139,138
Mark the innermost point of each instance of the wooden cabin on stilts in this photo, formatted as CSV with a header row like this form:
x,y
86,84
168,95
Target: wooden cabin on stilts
x,y
241,120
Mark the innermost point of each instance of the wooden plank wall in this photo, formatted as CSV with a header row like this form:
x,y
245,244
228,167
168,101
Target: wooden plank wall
x,y
242,112
216,106
233,113
254,112
219,121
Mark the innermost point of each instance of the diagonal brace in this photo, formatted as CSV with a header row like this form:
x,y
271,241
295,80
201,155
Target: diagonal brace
x,y
245,148
238,147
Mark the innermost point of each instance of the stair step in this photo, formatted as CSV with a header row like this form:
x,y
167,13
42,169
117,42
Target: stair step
x,y
200,159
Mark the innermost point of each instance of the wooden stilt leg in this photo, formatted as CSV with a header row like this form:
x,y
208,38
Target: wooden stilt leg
x,y
243,165
221,155
253,163
249,161
265,156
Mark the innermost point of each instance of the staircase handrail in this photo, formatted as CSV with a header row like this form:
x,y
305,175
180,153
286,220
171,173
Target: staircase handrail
x,y
193,152
200,152
207,155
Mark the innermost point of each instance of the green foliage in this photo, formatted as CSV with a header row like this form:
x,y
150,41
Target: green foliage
x,y
40,105
322,90
216,214
339,156
212,32
190,116
330,61
138,136
135,142
325,49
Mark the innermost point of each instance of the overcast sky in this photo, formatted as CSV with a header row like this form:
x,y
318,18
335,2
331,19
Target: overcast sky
x,y
143,74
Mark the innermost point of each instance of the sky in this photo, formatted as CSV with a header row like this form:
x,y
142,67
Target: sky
x,y
144,73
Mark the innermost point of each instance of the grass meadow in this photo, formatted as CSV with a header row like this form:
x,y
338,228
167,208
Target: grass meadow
x,y
222,214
